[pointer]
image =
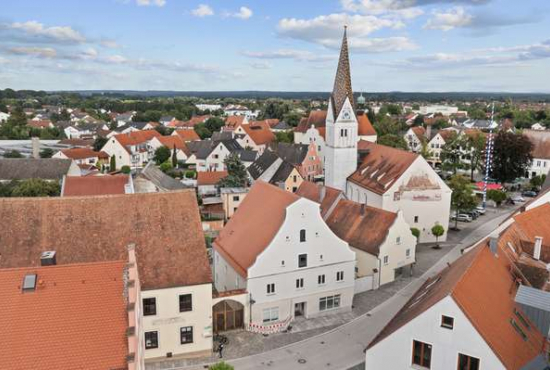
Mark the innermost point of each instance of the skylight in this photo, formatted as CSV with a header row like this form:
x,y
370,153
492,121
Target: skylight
x,y
29,282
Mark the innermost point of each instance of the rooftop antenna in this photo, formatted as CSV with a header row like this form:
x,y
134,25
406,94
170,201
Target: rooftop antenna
x,y
488,156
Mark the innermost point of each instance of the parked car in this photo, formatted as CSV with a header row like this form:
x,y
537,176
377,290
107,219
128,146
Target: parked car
x,y
518,199
462,217
529,193
480,210
473,214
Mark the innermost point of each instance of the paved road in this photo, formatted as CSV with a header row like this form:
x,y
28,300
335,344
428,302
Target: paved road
x,y
342,348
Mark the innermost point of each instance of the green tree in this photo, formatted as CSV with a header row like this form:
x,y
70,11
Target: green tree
x,y
214,124
162,154
166,166
425,151
237,175
497,196
511,156
99,143
437,231
202,131
125,169
13,154
537,181
112,164
394,141
415,231
284,137
475,146
174,157
221,366
46,153
452,152
36,188
463,197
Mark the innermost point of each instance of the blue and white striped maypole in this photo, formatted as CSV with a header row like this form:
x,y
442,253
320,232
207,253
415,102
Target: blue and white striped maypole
x,y
488,156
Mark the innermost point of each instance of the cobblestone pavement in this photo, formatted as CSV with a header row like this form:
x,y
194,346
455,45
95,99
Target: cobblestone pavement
x,y
242,343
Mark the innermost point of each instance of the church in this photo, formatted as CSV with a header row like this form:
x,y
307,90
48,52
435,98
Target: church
x,y
379,176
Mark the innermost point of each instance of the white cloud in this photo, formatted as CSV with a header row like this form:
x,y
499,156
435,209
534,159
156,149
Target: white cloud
x,y
255,65
159,3
33,51
63,34
243,13
447,20
298,55
115,59
112,44
202,10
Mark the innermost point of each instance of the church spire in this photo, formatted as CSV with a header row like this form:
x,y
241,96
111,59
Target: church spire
x,y
342,83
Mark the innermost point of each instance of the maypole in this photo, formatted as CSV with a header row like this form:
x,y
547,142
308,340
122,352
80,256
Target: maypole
x,y
488,156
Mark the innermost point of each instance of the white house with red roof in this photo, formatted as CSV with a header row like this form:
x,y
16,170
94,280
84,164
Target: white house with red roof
x,y
132,149
278,248
172,142
83,156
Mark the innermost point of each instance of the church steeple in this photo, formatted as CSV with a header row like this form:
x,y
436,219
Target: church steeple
x,y
342,83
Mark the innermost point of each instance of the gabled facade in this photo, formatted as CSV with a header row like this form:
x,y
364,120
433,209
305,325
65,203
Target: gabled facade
x,y
172,142
415,137
83,156
540,165
132,149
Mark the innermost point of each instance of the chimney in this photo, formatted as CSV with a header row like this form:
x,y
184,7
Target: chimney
x,y
47,258
362,209
537,248
493,244
35,147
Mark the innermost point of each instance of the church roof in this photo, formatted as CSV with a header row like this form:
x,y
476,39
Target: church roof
x,y
342,83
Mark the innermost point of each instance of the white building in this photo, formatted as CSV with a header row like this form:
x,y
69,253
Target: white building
x,y
466,317
4,116
540,164
132,149
445,110
210,107
415,137
209,155
393,180
171,142
278,248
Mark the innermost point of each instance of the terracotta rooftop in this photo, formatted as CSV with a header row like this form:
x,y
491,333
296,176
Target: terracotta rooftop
x,y
316,118
232,122
136,137
95,185
484,289
541,143
420,132
365,126
381,167
252,228
76,318
314,192
210,177
365,231
165,227
174,141
187,135
83,153
260,133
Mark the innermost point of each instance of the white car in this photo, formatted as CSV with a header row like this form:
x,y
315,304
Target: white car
x,y
462,217
481,210
518,198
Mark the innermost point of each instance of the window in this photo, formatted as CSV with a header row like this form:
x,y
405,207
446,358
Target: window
x,y
149,306
340,276
329,303
398,240
386,260
447,322
186,334
415,219
302,259
270,314
299,283
151,339
396,196
422,354
466,362
408,253
321,279
271,288
186,303
302,235
236,198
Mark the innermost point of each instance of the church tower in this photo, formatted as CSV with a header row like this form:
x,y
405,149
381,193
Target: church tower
x,y
341,126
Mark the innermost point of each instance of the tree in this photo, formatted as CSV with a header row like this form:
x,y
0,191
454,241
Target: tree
x,y
537,181
284,136
112,164
202,131
425,151
99,143
437,231
221,366
237,175
415,232
475,145
462,198
46,153
452,152
174,157
394,141
125,169
162,154
214,124
166,166
36,188
13,154
511,156
497,196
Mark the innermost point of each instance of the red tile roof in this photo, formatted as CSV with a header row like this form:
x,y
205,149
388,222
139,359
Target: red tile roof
x,y
83,153
381,167
365,128
317,118
210,177
174,140
420,132
232,122
313,192
94,185
260,133
165,228
40,124
541,143
136,137
75,319
188,135
251,228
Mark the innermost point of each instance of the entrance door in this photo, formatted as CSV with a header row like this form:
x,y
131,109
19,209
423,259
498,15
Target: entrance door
x,y
299,309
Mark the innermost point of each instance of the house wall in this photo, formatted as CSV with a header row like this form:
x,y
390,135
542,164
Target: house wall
x,y
395,351
366,264
169,320
230,205
312,136
312,164
225,277
180,154
539,167
113,147
278,264
412,140
293,181
214,161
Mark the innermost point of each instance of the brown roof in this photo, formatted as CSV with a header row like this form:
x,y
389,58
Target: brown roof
x,y
420,132
165,227
39,124
83,153
541,143
233,121
447,134
75,318
260,133
531,225
188,135
94,185
210,177
317,118
365,127
136,137
313,192
342,82
484,289
381,167
254,225
174,140
270,122
191,123
365,231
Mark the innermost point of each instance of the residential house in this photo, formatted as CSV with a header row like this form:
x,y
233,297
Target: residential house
x,y
49,169
232,199
281,127
153,180
133,149
188,125
40,124
280,251
124,118
540,165
83,156
54,303
302,156
133,127
465,316
269,167
393,180
209,155
238,110
4,117
187,135
255,137
233,121
207,182
537,126
165,120
174,273
96,185
415,137
171,142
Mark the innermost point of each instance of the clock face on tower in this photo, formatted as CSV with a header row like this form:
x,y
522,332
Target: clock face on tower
x,y
346,114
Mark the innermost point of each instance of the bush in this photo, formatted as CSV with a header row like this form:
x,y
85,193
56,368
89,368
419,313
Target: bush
x,y
165,167
125,169
190,174
221,366
162,154
13,154
497,196
415,232
46,153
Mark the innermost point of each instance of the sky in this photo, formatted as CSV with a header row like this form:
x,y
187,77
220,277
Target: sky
x,y
275,45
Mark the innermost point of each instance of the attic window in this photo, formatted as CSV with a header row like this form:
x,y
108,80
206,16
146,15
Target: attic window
x,y
522,319
29,283
447,322
518,329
